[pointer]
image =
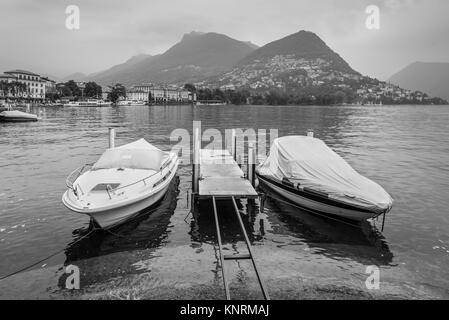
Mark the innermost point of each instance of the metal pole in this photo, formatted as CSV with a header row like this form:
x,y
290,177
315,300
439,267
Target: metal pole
x,y
248,245
310,133
196,159
217,226
111,138
251,163
234,145
383,222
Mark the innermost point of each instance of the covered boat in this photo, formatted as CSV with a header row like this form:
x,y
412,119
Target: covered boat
x,y
308,173
17,116
122,183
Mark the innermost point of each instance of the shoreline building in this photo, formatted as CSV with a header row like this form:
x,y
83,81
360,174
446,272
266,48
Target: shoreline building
x,y
50,85
105,91
159,94
33,85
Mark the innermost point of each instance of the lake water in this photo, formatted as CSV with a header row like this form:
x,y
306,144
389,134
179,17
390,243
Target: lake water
x,y
169,253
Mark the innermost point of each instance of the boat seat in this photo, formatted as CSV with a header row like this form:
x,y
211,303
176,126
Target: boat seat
x,y
104,186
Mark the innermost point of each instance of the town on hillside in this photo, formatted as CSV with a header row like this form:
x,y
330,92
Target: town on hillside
x,y
287,79
268,83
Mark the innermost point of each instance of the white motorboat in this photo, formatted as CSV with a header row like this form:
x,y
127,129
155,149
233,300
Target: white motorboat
x,y
17,116
122,183
305,171
131,103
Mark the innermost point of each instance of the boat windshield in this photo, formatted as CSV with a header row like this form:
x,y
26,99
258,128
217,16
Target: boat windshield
x,y
147,159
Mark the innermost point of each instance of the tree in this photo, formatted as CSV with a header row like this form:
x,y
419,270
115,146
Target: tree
x,y
92,90
190,87
340,97
65,91
14,88
117,91
52,96
73,87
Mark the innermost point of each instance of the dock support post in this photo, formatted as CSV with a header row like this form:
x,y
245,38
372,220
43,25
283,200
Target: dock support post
x,y
196,160
310,133
111,138
234,145
251,167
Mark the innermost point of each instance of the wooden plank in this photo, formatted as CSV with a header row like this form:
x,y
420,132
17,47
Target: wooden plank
x,y
210,156
221,176
226,187
224,170
237,256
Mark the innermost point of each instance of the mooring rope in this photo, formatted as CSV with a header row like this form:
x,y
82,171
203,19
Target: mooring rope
x,y
48,257
73,243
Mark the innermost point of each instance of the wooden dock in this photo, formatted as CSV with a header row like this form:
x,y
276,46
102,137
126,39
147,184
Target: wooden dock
x,y
221,177
217,176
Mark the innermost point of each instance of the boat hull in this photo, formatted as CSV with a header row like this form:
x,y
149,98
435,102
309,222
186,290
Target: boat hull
x,y
30,118
111,218
129,103
314,205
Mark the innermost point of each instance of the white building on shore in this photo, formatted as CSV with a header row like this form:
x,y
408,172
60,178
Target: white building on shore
x,y
137,95
34,86
158,94
50,85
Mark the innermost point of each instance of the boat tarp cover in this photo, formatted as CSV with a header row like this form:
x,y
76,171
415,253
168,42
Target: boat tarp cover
x,y
136,155
17,114
309,163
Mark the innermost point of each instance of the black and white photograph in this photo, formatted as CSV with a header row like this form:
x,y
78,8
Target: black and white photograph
x,y
203,152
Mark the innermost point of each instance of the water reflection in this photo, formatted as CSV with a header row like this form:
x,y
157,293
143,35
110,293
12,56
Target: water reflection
x,y
287,225
203,227
361,242
385,143
148,230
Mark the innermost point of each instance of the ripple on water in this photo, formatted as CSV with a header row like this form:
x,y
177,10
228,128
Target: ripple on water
x,y
404,148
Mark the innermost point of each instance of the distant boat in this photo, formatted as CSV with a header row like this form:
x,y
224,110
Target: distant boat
x,y
17,116
122,183
210,103
131,103
312,176
53,104
88,103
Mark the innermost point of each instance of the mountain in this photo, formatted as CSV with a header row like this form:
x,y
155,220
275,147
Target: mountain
x,y
195,57
300,59
303,44
252,45
77,76
123,72
429,77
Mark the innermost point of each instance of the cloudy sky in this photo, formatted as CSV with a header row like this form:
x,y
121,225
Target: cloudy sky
x,y
33,33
